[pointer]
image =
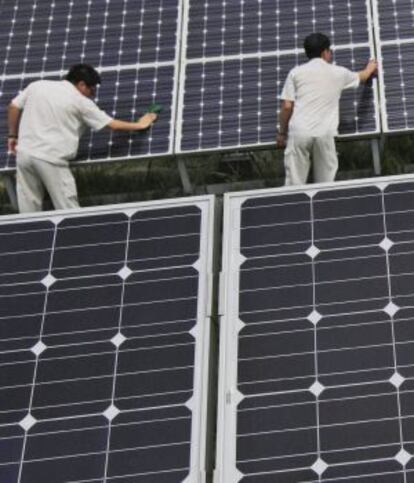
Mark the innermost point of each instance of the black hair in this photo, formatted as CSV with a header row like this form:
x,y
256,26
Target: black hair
x,y
85,73
315,44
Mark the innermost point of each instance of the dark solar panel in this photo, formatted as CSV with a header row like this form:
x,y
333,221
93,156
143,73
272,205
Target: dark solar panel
x,y
395,19
317,385
103,344
47,36
237,59
395,41
133,44
123,94
233,102
221,87
217,28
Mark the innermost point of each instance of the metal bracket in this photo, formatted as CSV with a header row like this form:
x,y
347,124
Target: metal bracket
x,y
185,178
10,185
377,149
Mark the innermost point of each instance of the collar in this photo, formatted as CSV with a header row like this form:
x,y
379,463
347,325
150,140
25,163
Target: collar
x,y
318,60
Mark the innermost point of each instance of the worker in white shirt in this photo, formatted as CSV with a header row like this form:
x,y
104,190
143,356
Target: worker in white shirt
x,y
45,123
309,115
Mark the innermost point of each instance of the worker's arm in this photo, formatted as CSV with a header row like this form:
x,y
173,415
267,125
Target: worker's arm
x,y
13,119
285,114
144,122
370,69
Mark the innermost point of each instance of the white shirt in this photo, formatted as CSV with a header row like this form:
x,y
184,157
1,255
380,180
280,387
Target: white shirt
x,y
315,88
55,115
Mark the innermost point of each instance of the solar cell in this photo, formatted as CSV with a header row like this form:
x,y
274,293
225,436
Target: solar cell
x,y
317,384
395,43
104,343
236,56
133,45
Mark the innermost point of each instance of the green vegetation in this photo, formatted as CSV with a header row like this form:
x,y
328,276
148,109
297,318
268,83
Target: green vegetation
x,y
158,178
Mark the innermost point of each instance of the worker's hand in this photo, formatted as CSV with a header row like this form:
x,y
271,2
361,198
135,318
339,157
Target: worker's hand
x,y
280,141
153,116
372,67
147,120
369,71
11,145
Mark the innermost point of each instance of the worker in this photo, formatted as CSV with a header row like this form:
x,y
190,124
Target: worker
x,y
309,115
45,123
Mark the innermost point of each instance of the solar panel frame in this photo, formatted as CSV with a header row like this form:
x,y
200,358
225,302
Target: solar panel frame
x,y
201,331
212,124
229,396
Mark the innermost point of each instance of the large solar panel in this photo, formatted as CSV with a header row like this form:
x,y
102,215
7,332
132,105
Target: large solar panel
x,y
236,56
395,42
217,66
104,341
132,42
317,361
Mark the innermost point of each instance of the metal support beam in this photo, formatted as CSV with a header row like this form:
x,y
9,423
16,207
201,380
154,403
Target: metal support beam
x,y
10,185
185,178
377,148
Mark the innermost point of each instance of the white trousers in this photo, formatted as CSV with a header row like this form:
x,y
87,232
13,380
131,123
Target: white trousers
x,y
35,176
299,152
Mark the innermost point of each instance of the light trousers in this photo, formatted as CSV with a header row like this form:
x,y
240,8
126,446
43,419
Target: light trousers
x,y
301,150
35,176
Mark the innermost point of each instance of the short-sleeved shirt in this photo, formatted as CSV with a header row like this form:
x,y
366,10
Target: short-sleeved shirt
x,y
315,88
55,115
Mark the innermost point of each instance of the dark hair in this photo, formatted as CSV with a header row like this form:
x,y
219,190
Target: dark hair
x,y
315,44
85,73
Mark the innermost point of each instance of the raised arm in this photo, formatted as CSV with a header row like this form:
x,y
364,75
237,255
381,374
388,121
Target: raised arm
x,y
370,69
285,114
13,119
144,122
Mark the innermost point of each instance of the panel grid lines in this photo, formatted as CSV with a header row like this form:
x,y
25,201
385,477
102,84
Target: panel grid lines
x,y
395,44
36,365
133,46
251,46
246,61
100,362
322,364
103,330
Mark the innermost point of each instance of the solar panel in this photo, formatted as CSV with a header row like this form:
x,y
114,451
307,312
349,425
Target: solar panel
x,y
236,57
104,343
395,43
132,42
316,374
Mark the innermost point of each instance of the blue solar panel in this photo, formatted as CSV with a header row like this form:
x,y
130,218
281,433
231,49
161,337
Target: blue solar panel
x,y
44,36
132,42
222,92
395,40
123,94
238,56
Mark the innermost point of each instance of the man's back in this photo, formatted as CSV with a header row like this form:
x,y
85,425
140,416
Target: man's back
x,y
54,116
315,88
